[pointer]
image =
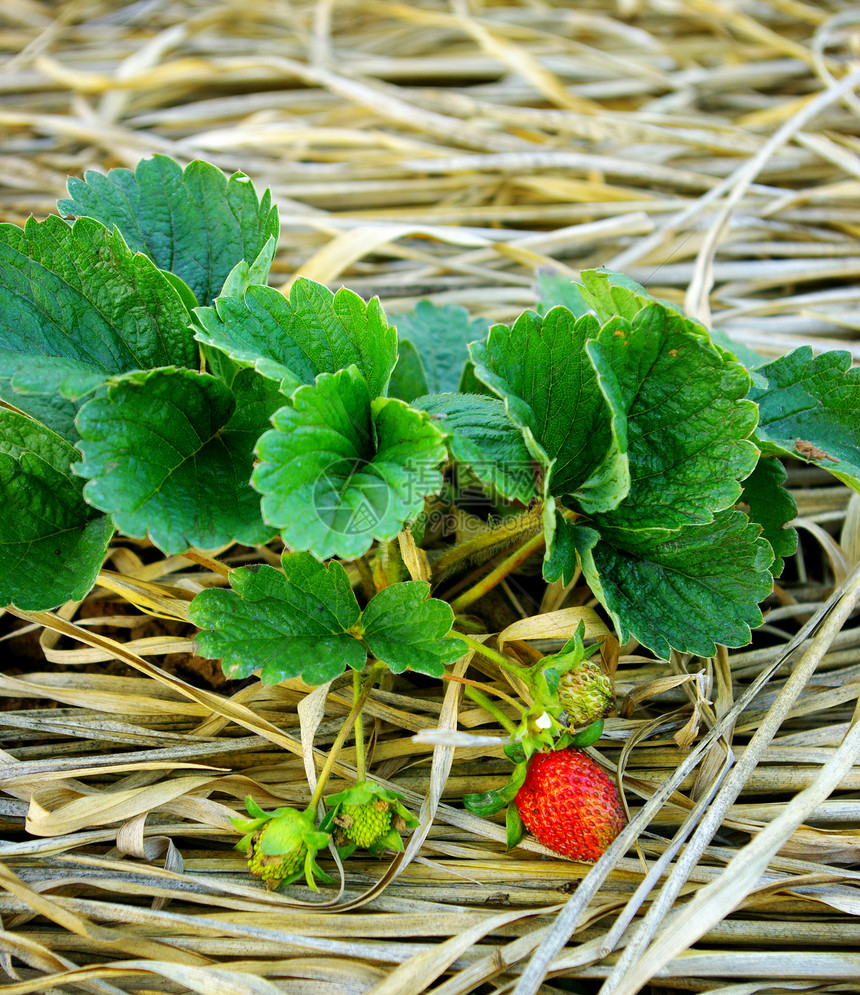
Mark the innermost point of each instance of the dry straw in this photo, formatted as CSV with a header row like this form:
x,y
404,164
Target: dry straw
x,y
711,149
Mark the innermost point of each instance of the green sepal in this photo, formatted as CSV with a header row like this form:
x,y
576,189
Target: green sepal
x,y
514,826
490,802
587,736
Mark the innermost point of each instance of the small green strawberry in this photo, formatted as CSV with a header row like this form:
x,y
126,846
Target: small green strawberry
x,y
586,694
281,845
367,815
571,687
570,804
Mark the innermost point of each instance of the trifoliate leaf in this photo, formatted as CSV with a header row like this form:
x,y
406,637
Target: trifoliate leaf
x,y
52,543
409,379
166,458
699,587
811,411
773,507
294,339
340,470
405,629
196,223
289,624
306,621
541,371
441,333
77,306
687,419
483,437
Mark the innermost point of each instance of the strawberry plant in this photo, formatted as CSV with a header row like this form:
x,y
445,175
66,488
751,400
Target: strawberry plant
x,y
153,387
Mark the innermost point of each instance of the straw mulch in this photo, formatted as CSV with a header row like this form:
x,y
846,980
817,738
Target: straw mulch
x,y
708,148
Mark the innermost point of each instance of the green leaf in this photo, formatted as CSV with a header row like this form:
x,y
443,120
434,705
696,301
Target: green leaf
x,y
811,411
773,507
244,275
314,331
409,380
554,289
687,419
699,587
169,455
340,470
541,371
441,333
481,436
196,223
306,621
406,630
77,306
289,624
609,294
52,544
514,828
560,558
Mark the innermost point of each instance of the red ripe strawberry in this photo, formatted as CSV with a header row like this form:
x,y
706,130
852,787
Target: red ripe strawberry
x,y
570,805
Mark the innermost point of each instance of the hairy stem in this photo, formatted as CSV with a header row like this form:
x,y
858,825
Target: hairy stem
x,y
206,561
495,577
331,759
488,543
491,707
490,654
360,762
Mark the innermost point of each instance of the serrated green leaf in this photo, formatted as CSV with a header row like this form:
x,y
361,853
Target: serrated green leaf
x,y
196,223
441,333
52,544
293,623
409,379
481,436
609,294
294,339
554,289
77,306
699,587
773,507
340,470
254,274
406,630
541,371
688,423
811,411
169,455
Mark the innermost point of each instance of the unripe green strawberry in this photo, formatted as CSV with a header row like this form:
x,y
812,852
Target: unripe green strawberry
x,y
281,845
570,804
365,824
586,694
369,816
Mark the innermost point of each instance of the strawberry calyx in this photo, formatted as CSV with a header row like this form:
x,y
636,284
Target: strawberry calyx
x,y
281,845
369,816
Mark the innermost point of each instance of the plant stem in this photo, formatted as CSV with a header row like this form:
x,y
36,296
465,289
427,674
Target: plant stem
x,y
495,539
490,654
360,768
496,576
331,759
491,707
207,561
